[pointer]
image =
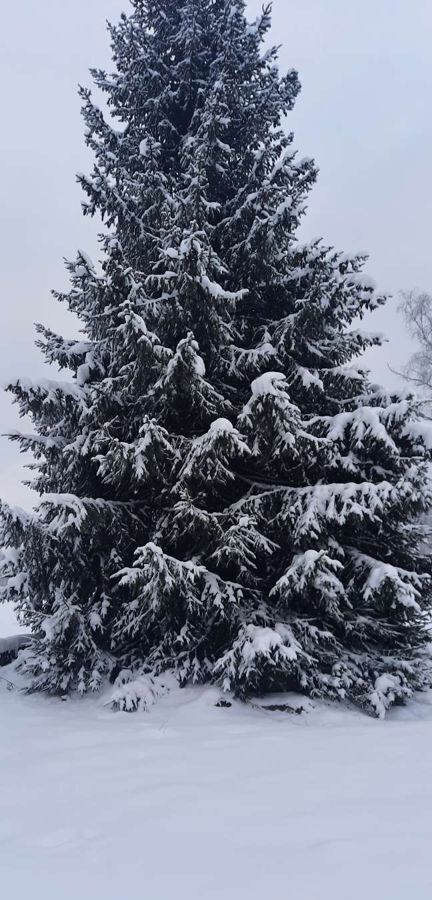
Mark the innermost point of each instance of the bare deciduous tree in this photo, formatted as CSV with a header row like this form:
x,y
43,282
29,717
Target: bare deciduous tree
x,y
416,307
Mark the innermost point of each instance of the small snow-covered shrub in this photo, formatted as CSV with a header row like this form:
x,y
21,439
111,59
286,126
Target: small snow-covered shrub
x,y
134,692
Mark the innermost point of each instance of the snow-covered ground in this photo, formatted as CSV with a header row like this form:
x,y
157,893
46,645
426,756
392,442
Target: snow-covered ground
x,y
205,803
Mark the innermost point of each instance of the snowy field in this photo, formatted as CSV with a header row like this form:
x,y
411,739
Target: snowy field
x,y
8,622
203,803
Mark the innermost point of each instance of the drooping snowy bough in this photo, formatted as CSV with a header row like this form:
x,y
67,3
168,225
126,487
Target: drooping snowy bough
x,y
11,646
224,493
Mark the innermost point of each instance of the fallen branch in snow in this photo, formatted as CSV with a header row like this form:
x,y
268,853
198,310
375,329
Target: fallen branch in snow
x,y
279,707
9,684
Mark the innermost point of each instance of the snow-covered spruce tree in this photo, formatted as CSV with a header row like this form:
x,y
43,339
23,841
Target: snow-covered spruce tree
x,y
224,494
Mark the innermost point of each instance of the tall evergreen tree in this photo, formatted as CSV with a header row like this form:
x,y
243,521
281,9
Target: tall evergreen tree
x,y
223,492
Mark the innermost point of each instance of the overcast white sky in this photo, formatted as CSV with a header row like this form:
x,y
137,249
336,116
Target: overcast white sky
x,y
364,114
